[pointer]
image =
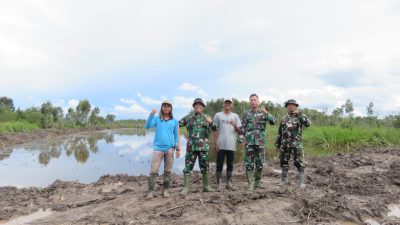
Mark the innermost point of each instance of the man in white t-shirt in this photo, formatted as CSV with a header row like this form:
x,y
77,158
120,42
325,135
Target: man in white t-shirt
x,y
228,124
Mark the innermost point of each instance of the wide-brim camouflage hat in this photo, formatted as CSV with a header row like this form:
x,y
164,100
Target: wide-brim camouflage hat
x,y
291,101
198,100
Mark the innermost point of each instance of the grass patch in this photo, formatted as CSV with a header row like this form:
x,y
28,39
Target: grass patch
x,y
330,137
337,137
17,126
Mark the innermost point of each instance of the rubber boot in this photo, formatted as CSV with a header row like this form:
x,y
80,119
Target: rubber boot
x,y
301,183
229,185
250,180
186,183
167,179
285,179
206,183
152,182
258,183
219,174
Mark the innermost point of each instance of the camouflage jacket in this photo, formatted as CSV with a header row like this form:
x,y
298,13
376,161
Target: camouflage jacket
x,y
290,131
254,125
199,131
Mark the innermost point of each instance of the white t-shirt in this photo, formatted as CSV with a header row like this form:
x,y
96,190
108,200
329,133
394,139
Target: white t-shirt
x,y
227,136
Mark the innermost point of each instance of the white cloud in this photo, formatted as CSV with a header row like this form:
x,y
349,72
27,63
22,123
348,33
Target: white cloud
x,y
73,103
258,25
182,102
135,108
211,47
147,100
186,86
276,49
127,101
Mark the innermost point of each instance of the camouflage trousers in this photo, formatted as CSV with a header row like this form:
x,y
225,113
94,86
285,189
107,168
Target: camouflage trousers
x,y
254,157
298,157
190,160
158,157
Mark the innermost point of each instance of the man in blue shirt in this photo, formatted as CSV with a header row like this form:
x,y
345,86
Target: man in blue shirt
x,y
165,142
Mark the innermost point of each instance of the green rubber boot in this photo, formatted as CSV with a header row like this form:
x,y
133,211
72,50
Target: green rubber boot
x,y
258,183
206,183
250,180
301,183
186,183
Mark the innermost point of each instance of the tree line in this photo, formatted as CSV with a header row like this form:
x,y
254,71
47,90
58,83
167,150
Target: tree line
x,y
49,116
342,116
83,115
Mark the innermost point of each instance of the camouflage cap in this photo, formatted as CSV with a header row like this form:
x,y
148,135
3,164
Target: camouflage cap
x,y
291,101
198,100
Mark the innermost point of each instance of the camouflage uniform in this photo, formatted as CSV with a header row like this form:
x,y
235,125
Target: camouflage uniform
x,y
253,129
198,142
289,139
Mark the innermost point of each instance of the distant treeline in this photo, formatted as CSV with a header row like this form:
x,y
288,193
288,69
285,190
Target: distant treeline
x,y
50,116
342,116
84,115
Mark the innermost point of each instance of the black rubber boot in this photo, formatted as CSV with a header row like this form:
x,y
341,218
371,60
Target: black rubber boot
x,y
229,185
166,181
152,182
285,179
219,175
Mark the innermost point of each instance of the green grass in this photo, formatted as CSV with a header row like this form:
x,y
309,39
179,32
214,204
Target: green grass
x,y
25,126
338,138
17,126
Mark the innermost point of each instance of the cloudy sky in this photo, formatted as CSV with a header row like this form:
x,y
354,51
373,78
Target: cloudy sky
x,y
126,56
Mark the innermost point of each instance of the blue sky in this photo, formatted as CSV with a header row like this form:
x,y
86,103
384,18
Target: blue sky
x,y
126,56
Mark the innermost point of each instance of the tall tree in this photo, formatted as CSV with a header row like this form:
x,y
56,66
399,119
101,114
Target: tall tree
x,y
82,112
370,109
110,118
7,103
94,118
349,109
47,111
58,114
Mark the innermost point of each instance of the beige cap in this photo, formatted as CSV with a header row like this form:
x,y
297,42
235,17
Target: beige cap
x,y
166,102
228,99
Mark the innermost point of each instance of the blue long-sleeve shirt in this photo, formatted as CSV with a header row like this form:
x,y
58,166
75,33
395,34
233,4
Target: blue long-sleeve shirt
x,y
166,136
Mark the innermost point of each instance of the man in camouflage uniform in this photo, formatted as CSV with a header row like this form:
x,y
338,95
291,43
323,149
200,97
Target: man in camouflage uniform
x,y
289,141
198,125
254,123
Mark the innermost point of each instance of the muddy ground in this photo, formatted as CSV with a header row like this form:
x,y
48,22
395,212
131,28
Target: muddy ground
x,y
341,189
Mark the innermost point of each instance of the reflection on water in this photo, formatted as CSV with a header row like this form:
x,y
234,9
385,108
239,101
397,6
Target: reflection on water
x,y
87,156
83,157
